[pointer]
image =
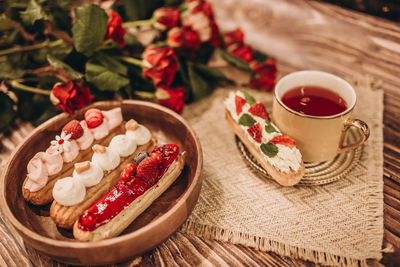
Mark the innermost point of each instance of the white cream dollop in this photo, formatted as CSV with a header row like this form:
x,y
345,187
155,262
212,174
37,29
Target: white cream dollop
x,y
101,130
114,117
107,160
37,174
91,176
122,145
71,152
69,191
141,135
86,139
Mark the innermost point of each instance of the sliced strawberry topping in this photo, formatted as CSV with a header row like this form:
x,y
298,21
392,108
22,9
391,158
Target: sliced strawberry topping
x,y
255,132
239,102
93,117
74,128
148,168
259,110
283,140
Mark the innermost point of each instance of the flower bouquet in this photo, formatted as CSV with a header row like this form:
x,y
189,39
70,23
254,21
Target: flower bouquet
x,y
61,55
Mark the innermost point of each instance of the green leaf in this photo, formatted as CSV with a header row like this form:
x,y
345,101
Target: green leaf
x,y
200,86
234,60
247,120
111,63
269,128
211,72
89,28
249,98
269,149
140,9
259,56
104,79
33,13
7,113
55,62
10,71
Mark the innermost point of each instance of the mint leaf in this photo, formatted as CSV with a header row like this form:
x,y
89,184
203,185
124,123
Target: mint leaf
x,y
234,60
140,9
269,149
269,128
260,56
55,62
200,86
89,28
247,120
33,13
249,98
7,113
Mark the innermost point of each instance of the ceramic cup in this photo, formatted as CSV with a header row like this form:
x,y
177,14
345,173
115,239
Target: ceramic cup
x,y
319,138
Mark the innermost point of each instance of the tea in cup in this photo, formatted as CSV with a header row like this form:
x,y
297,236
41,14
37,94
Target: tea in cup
x,y
315,108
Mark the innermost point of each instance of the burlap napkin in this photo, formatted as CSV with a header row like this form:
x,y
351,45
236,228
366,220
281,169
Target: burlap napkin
x,y
339,223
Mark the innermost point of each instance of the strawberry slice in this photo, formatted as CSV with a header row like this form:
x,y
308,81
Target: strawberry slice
x,y
259,110
255,132
239,102
148,168
283,140
74,128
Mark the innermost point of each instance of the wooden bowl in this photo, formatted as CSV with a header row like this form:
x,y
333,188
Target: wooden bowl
x,y
152,227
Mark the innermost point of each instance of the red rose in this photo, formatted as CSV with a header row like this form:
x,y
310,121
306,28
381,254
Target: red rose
x,y
201,17
243,52
166,18
160,65
265,74
114,30
171,98
233,37
70,96
184,37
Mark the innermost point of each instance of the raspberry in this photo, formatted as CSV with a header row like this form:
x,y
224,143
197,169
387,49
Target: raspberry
x,y
239,102
148,168
94,117
283,140
130,168
259,110
125,176
74,128
255,132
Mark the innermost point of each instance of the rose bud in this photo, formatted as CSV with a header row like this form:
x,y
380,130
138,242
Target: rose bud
x,y
184,37
265,74
160,65
166,18
114,30
233,37
243,52
70,96
171,98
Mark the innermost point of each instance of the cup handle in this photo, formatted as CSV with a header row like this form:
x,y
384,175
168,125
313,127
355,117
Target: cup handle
x,y
361,126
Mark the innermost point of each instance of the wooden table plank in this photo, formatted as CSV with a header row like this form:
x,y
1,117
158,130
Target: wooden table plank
x,y
301,35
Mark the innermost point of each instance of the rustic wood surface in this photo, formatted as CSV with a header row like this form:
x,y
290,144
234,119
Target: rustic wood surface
x,y
301,35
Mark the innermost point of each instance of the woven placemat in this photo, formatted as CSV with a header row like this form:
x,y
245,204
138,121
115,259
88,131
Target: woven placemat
x,y
339,223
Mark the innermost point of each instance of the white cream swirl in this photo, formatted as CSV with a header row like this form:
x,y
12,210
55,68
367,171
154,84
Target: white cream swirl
x,y
69,191
91,176
107,160
122,145
141,135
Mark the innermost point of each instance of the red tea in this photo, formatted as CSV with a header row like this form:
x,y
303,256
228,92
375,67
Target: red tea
x,y
314,101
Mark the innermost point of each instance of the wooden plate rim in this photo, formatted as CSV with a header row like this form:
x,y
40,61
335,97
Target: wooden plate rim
x,y
107,242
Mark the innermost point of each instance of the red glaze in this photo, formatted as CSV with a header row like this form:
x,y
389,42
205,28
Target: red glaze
x,y
124,193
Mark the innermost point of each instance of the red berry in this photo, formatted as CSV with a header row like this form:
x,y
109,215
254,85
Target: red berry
x,y
125,176
239,102
94,117
74,128
259,110
283,140
130,168
255,132
148,168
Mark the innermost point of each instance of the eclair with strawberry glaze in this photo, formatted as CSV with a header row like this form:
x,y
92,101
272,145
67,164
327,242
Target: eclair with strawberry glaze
x,y
276,152
98,174
71,146
141,183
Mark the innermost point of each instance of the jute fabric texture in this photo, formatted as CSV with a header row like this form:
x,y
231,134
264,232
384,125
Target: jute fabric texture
x,y
335,224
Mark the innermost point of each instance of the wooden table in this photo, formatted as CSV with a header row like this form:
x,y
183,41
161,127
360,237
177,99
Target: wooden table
x,y
301,35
